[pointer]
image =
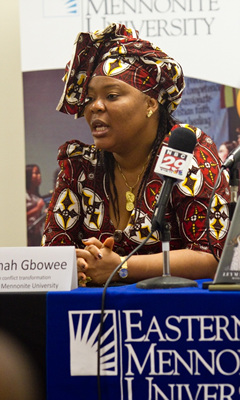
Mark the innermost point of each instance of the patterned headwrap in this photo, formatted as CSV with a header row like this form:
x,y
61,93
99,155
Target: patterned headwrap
x,y
116,53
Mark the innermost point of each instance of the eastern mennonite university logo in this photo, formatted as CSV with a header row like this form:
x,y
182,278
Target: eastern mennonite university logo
x,y
84,328
60,8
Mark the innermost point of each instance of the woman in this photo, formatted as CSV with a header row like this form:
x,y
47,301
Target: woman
x,y
103,203
225,149
35,205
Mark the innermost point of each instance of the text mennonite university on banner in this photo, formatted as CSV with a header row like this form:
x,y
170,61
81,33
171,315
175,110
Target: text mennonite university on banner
x,y
197,23
167,17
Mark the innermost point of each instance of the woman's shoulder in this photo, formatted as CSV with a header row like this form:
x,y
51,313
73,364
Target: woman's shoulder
x,y
202,138
77,149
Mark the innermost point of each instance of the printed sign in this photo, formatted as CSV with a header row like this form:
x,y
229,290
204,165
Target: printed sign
x,y
155,345
37,269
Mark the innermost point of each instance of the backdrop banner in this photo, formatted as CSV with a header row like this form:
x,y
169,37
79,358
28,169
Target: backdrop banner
x,y
202,35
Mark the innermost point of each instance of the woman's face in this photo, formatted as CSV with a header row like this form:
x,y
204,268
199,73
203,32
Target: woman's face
x,y
36,176
223,152
117,115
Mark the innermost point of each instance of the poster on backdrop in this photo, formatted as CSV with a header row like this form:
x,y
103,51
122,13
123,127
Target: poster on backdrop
x,y
48,30
49,27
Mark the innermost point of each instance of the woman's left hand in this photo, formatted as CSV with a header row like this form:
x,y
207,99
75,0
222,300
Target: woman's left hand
x,y
97,260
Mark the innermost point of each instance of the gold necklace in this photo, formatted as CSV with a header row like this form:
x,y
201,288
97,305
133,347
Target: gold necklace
x,y
130,197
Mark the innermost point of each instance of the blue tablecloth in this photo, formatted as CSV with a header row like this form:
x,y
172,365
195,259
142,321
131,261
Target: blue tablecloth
x,y
168,344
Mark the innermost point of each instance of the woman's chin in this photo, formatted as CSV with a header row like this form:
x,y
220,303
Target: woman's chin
x,y
102,144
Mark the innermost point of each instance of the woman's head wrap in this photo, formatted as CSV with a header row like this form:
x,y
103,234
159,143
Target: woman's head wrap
x,y
114,52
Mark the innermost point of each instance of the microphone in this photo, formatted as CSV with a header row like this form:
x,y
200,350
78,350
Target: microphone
x,y
233,158
233,183
230,163
173,163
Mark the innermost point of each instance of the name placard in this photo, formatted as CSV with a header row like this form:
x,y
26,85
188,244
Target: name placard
x,y
38,269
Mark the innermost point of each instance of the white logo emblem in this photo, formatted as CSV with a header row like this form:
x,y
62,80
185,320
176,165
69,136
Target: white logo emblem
x,y
84,329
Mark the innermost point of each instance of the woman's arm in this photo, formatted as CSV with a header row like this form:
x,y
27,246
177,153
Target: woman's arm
x,y
98,261
183,263
36,209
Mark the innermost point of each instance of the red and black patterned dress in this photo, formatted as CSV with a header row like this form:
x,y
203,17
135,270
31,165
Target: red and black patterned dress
x,y
80,205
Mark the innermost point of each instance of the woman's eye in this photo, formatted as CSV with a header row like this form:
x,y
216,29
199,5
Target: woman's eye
x,y
88,99
112,96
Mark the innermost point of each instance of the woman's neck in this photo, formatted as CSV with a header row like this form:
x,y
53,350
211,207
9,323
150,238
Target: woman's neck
x,y
33,190
133,161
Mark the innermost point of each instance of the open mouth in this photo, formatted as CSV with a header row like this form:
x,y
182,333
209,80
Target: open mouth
x,y
99,126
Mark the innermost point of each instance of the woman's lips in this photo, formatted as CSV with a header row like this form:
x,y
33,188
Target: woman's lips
x,y
99,128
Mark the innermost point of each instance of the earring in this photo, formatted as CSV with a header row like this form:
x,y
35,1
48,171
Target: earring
x,y
149,113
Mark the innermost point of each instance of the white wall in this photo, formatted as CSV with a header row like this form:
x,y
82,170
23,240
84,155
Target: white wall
x,y
12,148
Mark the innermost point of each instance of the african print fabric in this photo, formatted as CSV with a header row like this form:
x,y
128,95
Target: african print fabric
x,y
80,204
116,53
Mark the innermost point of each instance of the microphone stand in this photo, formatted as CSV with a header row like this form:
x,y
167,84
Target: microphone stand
x,y
233,182
166,280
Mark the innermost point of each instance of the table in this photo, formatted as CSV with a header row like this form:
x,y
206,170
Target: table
x,y
156,344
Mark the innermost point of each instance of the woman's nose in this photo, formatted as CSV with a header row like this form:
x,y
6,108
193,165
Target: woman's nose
x,y
97,105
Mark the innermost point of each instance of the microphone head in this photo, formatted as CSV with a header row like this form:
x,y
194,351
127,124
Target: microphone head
x,y
233,158
174,160
183,139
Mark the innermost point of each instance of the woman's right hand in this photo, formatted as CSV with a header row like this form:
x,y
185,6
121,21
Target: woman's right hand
x,y
97,260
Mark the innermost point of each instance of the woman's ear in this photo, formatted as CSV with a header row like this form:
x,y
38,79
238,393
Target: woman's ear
x,y
152,105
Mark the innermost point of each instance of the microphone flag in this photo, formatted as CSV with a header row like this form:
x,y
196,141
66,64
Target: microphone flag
x,y
173,163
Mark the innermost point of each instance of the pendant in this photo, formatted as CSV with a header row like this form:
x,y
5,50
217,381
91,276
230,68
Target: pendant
x,y
129,206
130,201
